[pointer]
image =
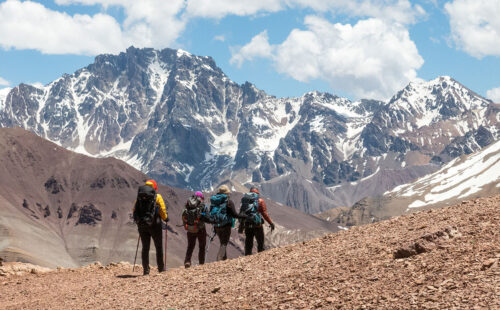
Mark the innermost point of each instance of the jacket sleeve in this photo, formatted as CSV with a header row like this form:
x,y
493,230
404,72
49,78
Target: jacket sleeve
x,y
263,210
162,208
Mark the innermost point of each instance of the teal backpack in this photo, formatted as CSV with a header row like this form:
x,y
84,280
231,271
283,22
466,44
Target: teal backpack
x,y
218,210
250,207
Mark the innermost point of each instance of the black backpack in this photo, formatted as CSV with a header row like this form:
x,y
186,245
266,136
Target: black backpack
x,y
145,205
250,207
193,213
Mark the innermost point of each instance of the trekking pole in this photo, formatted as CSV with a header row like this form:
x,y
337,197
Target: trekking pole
x,y
210,241
165,252
136,249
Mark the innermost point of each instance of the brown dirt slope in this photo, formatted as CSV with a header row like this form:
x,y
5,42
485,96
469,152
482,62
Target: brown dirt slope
x,y
451,261
60,208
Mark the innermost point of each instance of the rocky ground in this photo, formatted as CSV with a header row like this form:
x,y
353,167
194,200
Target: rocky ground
x,y
435,259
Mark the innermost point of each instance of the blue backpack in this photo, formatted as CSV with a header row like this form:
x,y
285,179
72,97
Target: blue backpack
x,y
218,210
250,207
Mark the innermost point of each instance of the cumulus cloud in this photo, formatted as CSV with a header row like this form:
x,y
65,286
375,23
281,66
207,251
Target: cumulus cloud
x,y
148,23
155,23
4,82
221,8
371,59
475,26
30,25
258,47
494,94
401,11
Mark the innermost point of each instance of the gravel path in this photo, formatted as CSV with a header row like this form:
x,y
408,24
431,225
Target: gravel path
x,y
452,262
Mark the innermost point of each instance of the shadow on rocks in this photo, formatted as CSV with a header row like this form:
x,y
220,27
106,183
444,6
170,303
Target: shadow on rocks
x,y
127,276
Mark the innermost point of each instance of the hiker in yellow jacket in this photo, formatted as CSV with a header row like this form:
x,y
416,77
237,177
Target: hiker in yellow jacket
x,y
149,210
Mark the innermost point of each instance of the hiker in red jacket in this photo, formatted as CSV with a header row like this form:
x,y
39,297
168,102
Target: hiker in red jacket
x,y
256,229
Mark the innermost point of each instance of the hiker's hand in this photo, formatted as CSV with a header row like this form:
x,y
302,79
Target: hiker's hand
x,y
272,226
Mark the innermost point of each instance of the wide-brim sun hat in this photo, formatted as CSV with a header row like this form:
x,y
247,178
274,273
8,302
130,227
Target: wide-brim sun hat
x,y
223,189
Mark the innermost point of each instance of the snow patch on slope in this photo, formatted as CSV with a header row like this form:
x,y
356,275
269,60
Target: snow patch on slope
x,y
419,99
3,96
272,127
458,179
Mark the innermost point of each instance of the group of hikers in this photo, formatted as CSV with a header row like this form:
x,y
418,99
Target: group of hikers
x,y
150,215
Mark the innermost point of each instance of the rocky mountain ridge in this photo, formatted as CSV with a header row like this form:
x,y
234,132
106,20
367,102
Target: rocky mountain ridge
x,y
179,118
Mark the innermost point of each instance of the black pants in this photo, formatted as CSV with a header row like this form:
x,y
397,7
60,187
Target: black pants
x,y
224,233
258,233
201,235
147,232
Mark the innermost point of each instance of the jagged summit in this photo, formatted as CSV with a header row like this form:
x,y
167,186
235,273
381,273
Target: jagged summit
x,y
179,118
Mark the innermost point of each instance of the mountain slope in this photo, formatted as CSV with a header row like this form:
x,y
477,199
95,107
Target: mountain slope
x,y
457,267
466,177
180,119
60,208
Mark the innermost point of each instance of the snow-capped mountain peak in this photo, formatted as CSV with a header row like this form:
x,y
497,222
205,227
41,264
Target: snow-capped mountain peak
x,y
179,118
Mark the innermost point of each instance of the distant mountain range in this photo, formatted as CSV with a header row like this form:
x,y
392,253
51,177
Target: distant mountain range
x,y
180,119
464,178
60,208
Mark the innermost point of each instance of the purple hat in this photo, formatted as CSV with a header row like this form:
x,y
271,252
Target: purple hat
x,y
199,194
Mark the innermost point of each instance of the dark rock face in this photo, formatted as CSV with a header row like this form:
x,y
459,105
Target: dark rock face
x,y
89,215
72,210
53,186
469,143
178,118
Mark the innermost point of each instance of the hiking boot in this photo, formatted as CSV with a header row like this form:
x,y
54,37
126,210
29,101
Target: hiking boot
x,y
187,264
146,272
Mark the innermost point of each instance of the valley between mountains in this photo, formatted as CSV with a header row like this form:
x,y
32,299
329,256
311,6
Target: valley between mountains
x,y
61,208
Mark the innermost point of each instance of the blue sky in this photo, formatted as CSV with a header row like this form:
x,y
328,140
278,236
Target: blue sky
x,y
352,48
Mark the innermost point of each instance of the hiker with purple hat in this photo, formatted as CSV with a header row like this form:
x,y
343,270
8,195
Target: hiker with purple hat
x,y
192,217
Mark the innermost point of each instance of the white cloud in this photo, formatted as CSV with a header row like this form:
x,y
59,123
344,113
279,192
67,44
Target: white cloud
x,y
371,59
220,38
4,82
258,47
154,23
401,11
148,23
29,25
221,8
494,94
475,26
